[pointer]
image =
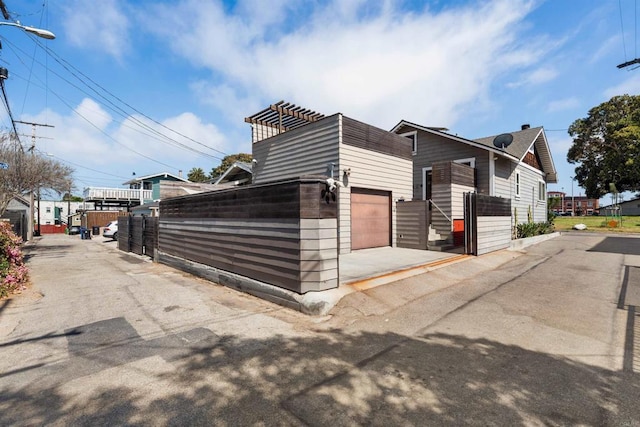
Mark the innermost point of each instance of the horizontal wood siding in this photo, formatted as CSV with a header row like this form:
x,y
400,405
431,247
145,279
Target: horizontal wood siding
x,y
503,181
260,249
371,138
453,173
457,200
318,254
300,152
284,234
529,196
411,226
441,197
494,233
436,148
372,170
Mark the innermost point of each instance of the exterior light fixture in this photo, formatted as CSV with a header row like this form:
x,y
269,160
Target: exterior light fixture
x,y
45,34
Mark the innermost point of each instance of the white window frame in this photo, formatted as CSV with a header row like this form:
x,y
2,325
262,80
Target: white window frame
x,y
517,185
413,135
424,182
542,191
470,160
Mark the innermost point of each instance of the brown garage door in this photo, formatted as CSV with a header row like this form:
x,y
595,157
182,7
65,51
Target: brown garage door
x,y
370,218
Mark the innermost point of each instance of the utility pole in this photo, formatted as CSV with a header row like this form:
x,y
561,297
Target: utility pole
x,y
33,153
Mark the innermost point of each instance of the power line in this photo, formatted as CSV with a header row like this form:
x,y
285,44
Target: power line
x,y
119,111
6,105
624,45
66,65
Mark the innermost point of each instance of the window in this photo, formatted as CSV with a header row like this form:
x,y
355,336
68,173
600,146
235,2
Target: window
x,y
517,184
48,209
471,161
413,136
426,183
542,191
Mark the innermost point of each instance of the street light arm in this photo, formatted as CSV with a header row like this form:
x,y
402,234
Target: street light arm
x,y
45,34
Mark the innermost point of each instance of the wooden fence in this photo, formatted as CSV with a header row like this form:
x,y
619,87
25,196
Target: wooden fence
x,y
283,234
138,234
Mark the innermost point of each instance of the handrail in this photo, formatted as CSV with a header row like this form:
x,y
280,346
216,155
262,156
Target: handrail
x,y
445,215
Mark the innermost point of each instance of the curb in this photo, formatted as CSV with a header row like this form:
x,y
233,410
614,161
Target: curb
x,y
529,241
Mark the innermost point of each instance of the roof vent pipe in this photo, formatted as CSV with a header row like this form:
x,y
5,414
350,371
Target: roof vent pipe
x,y
525,126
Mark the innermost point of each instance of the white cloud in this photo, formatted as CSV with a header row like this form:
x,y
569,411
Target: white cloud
x,y
93,114
535,77
100,25
563,104
104,144
379,66
629,86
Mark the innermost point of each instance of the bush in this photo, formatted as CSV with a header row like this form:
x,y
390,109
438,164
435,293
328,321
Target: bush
x,y
13,272
530,229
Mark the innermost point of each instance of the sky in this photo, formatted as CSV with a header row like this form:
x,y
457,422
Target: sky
x,y
150,86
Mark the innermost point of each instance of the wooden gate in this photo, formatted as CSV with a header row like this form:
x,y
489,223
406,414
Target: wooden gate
x,y
487,223
138,234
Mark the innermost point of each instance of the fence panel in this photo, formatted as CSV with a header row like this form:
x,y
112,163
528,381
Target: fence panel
x,y
123,233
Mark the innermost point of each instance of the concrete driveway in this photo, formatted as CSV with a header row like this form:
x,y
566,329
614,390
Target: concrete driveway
x,y
537,337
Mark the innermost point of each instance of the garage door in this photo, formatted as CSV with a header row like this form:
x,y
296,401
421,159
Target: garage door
x,y
370,218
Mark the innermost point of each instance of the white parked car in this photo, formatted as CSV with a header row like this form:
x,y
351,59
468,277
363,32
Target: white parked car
x,y
111,230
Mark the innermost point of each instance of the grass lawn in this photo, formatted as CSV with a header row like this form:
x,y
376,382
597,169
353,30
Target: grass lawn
x,y
630,224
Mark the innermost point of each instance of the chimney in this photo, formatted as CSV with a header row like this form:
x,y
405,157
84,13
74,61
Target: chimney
x,y
525,126
180,173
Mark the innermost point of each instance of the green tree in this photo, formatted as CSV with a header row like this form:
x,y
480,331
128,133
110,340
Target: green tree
x,y
227,161
606,147
197,175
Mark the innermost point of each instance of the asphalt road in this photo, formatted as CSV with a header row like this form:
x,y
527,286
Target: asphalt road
x,y
546,336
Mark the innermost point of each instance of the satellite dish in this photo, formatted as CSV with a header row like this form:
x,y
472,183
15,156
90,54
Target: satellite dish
x,y
503,140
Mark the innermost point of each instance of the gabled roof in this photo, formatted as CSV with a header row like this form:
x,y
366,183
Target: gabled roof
x,y
522,141
155,175
284,116
437,131
238,168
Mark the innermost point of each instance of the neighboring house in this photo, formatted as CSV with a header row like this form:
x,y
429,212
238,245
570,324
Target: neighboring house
x,y
239,173
55,212
141,190
371,167
516,166
148,209
583,205
630,207
18,213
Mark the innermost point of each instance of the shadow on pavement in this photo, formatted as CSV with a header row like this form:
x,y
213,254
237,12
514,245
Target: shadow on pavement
x,y
331,378
618,245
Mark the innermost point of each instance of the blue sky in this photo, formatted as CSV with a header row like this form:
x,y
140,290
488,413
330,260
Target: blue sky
x,y
152,86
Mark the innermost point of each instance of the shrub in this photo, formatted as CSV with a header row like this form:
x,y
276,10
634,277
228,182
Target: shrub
x,y
530,229
13,272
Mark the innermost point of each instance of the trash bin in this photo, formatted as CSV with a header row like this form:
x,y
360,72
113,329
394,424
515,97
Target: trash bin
x,y
96,230
87,234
